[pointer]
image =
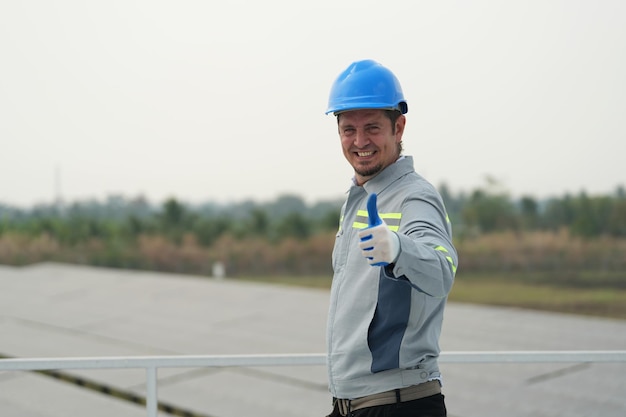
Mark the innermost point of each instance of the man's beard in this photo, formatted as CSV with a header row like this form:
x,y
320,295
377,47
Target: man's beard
x,y
368,172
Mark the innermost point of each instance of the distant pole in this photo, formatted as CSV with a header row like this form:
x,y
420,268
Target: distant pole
x,y
219,270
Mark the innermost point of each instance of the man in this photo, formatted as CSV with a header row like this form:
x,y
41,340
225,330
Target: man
x,y
392,277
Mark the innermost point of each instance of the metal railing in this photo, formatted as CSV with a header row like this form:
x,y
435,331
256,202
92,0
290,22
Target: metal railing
x,y
152,363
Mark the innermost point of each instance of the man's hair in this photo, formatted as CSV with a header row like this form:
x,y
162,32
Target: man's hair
x,y
393,116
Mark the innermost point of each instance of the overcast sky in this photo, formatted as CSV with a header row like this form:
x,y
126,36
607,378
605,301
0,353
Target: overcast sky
x,y
224,100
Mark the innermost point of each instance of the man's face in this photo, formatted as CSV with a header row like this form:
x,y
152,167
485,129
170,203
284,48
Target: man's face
x,y
369,142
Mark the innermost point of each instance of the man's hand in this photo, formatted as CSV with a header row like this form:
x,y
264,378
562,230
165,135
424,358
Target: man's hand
x,y
378,244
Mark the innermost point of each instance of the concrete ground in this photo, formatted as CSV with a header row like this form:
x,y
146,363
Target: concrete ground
x,y
53,310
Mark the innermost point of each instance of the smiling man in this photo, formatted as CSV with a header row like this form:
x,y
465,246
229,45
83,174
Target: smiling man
x,y
371,140
394,261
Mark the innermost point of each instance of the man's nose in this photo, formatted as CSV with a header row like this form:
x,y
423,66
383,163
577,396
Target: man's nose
x,y
361,139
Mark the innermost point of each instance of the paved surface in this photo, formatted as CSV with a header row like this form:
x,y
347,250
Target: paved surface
x,y
52,310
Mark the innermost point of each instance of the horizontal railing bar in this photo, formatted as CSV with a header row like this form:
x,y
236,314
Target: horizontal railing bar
x,y
178,361
563,356
190,361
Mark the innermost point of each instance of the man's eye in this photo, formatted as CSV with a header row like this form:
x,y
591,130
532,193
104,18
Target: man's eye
x,y
373,129
348,131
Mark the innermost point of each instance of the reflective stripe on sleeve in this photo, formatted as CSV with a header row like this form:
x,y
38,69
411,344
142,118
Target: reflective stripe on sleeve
x,y
449,258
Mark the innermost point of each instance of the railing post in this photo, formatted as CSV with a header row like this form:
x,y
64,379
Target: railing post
x,y
151,391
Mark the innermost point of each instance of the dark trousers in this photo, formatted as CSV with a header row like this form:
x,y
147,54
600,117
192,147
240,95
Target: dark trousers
x,y
433,406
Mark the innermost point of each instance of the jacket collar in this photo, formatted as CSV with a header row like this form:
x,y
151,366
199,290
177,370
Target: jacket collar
x,y
403,166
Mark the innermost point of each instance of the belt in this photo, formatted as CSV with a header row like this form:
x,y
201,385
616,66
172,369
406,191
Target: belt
x,y
414,392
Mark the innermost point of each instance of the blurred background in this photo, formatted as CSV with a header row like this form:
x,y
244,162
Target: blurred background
x,y
190,138
181,136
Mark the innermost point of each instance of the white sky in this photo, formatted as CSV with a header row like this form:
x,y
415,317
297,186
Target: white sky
x,y
224,100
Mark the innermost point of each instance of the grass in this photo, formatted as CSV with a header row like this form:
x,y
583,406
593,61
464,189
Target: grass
x,y
585,293
595,301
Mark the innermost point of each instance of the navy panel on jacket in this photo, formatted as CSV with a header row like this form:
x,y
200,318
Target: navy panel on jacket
x,y
389,323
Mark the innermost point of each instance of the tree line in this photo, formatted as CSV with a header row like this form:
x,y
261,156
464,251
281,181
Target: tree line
x,y
289,236
487,210
484,210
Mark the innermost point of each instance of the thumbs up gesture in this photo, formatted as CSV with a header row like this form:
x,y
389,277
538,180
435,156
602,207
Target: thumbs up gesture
x,y
378,244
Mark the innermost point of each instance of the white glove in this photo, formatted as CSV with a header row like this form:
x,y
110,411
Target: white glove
x,y
379,245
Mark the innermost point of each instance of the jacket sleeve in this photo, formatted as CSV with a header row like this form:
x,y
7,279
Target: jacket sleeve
x,y
427,258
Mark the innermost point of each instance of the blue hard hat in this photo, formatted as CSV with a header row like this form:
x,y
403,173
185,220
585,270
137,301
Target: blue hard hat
x,y
366,85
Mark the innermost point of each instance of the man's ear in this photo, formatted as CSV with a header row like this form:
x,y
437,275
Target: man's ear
x,y
400,123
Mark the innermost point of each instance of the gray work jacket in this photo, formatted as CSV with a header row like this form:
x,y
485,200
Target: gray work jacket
x,y
384,322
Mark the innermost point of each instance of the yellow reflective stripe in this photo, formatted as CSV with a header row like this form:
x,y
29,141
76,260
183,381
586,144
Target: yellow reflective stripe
x,y
449,258
391,219
382,215
452,264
